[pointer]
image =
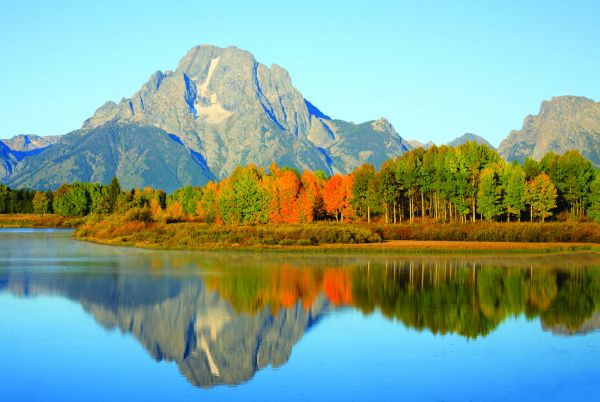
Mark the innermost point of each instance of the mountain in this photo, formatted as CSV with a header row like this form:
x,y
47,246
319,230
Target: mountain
x,y
30,142
8,161
138,155
219,109
563,123
233,110
469,137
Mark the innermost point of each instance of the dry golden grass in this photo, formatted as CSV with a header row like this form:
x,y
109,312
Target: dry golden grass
x,y
409,246
38,221
315,237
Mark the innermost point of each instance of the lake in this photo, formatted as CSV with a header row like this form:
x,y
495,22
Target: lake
x,y
85,322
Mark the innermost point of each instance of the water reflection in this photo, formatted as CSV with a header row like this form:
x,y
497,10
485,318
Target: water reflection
x,y
223,317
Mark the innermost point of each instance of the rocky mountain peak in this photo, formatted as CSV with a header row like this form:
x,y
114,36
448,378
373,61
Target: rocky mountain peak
x,y
219,109
563,123
382,125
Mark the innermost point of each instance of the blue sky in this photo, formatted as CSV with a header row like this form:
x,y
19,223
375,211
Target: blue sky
x,y
435,69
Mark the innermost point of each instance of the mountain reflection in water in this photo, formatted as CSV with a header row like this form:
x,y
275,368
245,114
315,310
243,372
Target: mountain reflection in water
x,y
223,317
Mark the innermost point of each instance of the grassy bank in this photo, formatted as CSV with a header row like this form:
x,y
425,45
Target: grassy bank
x,y
565,232
188,235
39,221
330,236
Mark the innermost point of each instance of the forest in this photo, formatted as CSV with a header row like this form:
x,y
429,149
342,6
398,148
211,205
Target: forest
x,y
467,183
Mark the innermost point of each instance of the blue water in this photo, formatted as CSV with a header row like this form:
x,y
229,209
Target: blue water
x,y
95,323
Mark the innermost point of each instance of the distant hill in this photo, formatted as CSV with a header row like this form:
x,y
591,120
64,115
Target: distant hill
x,y
30,142
469,137
137,155
563,123
219,109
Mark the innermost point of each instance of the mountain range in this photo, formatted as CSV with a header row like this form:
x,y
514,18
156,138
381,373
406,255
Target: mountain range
x,y
220,108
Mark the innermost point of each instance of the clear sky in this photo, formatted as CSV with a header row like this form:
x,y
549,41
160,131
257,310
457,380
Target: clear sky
x,y
435,69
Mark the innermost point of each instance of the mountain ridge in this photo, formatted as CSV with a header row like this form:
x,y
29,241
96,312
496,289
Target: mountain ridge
x,y
226,109
562,123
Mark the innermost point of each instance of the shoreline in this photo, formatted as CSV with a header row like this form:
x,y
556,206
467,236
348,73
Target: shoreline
x,y
319,238
399,247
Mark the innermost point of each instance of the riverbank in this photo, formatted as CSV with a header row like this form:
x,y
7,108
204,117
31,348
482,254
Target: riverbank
x,y
326,237
334,237
39,221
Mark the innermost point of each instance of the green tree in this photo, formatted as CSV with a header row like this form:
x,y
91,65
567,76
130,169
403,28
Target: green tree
x,y
572,177
114,190
389,191
72,200
41,203
99,199
4,197
513,182
541,196
489,194
594,198
362,199
531,168
243,200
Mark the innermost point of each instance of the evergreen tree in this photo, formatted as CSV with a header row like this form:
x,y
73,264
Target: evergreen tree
x,y
114,190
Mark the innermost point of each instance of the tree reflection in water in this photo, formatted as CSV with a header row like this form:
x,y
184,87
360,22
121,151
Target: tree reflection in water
x,y
222,318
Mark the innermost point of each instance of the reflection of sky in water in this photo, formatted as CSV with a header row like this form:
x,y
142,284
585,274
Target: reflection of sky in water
x,y
55,345
52,350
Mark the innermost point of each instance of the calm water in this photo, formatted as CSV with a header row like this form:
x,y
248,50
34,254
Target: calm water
x,y
82,322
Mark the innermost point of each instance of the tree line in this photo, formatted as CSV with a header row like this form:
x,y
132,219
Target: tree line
x,y
469,182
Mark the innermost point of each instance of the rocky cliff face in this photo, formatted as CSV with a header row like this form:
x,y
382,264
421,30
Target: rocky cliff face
x,y
563,123
233,110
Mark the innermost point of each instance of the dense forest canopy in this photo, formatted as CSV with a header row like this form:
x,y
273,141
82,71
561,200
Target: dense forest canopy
x,y
465,183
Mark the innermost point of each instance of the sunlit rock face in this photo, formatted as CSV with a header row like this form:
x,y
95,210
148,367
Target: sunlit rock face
x,y
234,110
563,123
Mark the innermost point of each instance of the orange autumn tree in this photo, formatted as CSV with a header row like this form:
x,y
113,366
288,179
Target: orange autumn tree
x,y
311,196
337,195
285,187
